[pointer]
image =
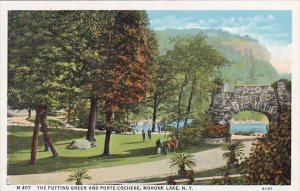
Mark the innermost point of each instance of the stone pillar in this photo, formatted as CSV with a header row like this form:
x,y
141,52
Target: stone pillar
x,y
283,94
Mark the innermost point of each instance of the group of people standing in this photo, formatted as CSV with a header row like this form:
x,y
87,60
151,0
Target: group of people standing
x,y
148,133
166,147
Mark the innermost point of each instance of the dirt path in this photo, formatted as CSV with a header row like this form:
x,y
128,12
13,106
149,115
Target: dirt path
x,y
205,160
19,120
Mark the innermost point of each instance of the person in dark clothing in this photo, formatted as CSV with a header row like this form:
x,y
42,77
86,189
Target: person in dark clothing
x,y
158,143
158,146
144,135
149,134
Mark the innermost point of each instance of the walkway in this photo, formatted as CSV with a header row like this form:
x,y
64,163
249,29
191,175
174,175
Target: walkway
x,y
205,160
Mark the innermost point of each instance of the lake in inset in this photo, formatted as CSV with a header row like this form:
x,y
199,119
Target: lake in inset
x,y
255,128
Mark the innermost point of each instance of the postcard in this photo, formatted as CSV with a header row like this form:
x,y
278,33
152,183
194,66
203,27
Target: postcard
x,y
150,95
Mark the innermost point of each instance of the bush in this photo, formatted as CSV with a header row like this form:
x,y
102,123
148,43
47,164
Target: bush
x,y
217,131
52,123
270,160
192,135
244,133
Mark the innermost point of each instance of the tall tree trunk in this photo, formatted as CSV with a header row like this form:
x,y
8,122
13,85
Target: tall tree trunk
x,y
127,116
179,101
48,141
35,136
69,114
74,114
43,119
92,120
109,126
154,114
188,110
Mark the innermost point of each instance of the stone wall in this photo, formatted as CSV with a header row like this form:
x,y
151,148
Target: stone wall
x,y
261,98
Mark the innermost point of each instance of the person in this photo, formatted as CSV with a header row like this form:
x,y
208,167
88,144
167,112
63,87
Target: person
x,y
143,134
158,146
149,134
165,148
174,144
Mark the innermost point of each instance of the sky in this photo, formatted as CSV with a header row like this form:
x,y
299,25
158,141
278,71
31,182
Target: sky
x,y
273,29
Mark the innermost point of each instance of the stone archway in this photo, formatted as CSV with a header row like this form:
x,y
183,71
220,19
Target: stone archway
x,y
260,98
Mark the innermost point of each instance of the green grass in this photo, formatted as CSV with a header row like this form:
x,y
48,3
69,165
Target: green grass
x,y
125,149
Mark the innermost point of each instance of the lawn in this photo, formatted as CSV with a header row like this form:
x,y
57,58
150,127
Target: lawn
x,y
125,149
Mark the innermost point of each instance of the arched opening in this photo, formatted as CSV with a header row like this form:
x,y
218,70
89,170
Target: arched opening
x,y
251,123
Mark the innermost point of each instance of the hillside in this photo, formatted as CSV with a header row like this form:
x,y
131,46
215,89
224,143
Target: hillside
x,y
249,62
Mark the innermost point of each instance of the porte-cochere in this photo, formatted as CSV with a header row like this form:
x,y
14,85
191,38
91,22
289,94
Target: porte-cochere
x,y
260,98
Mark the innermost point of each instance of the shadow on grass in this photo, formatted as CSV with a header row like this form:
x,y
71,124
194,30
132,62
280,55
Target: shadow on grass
x,y
51,164
136,153
134,142
18,140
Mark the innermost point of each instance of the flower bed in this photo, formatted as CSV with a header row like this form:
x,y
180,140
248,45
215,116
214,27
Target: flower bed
x,y
216,134
217,131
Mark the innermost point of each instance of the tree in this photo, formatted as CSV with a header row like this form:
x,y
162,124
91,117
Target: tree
x,y
86,39
161,86
195,62
270,159
36,67
124,78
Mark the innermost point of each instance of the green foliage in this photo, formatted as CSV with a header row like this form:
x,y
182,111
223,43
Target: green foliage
x,y
162,86
53,123
78,175
288,84
194,64
246,65
270,160
244,133
36,66
234,150
193,134
182,160
250,115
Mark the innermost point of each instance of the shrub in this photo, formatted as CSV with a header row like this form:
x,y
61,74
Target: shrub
x,y
187,136
244,133
193,134
270,160
78,176
53,123
233,151
181,160
217,131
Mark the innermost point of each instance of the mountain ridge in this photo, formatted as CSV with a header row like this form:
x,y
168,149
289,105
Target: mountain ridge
x,y
249,61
